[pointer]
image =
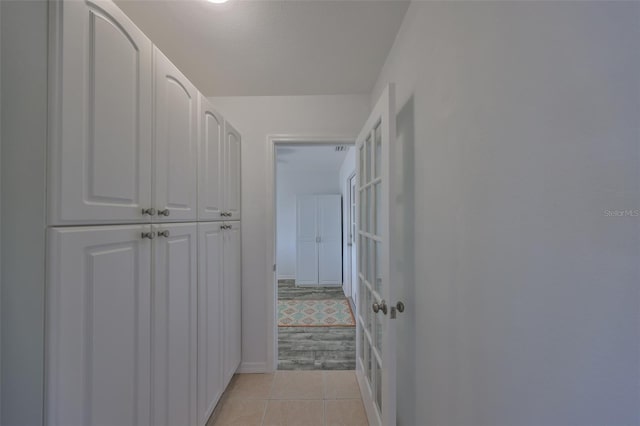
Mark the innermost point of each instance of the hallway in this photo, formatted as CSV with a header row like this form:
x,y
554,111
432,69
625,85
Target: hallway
x,y
314,348
313,398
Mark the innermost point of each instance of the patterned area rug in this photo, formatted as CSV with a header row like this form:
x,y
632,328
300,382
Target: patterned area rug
x,y
315,313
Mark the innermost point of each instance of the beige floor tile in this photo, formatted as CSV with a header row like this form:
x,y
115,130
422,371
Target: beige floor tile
x,y
240,412
341,385
345,412
297,385
250,386
294,413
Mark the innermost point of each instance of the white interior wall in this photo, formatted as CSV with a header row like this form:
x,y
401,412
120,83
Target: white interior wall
x,y
290,184
24,95
347,168
256,118
518,126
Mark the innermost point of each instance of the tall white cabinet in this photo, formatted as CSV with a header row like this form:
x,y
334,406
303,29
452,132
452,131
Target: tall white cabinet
x,y
176,131
219,162
100,117
174,345
231,296
143,260
319,240
99,326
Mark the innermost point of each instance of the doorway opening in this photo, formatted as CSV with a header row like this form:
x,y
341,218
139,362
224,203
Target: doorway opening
x,y
315,310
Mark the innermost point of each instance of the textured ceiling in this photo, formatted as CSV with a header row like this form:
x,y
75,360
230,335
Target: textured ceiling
x,y
294,47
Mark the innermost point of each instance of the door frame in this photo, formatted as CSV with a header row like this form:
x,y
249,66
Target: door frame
x,y
352,221
274,141
347,220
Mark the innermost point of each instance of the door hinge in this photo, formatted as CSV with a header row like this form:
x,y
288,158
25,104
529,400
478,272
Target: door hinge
x,y
274,267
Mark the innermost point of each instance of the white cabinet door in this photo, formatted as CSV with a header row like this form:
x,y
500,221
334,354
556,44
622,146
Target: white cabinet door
x,y
175,166
211,162
232,172
329,239
232,290
100,152
98,326
307,240
210,337
175,325
319,240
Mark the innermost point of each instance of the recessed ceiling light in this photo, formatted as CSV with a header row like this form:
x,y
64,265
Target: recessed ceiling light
x,y
217,1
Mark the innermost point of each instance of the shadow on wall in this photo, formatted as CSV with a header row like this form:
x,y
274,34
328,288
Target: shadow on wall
x,y
406,225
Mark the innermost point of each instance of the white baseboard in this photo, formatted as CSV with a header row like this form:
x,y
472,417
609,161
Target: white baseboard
x,y
253,367
286,277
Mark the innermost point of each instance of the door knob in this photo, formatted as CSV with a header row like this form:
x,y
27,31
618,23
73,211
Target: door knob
x,y
398,308
150,212
382,306
164,233
164,212
149,235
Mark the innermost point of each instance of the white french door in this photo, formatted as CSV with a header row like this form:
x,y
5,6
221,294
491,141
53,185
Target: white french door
x,y
376,351
353,235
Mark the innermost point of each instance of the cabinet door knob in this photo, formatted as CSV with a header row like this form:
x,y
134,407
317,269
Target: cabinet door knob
x,y
164,233
150,212
148,235
164,212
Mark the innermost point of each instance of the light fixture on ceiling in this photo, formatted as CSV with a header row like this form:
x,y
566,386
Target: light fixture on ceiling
x,y
217,1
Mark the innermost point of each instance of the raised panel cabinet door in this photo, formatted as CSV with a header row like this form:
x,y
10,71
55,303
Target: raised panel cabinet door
x,y
329,239
232,308
307,240
101,128
210,337
176,134
232,172
98,326
211,162
175,325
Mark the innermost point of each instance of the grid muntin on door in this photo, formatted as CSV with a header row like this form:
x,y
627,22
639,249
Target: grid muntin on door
x,y
370,326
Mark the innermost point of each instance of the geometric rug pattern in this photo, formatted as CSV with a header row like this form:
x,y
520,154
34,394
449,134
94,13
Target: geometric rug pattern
x,y
315,313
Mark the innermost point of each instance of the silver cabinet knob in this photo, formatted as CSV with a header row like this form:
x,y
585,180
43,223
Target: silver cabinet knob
x,y
150,212
148,235
164,233
223,226
164,212
382,306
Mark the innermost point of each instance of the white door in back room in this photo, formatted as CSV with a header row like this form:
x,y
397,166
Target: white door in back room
x,y
329,239
319,240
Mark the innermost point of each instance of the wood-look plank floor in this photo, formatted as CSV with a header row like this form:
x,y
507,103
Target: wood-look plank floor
x,y
314,348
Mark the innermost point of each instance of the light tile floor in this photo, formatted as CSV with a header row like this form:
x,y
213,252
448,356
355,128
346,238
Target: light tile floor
x,y
291,398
